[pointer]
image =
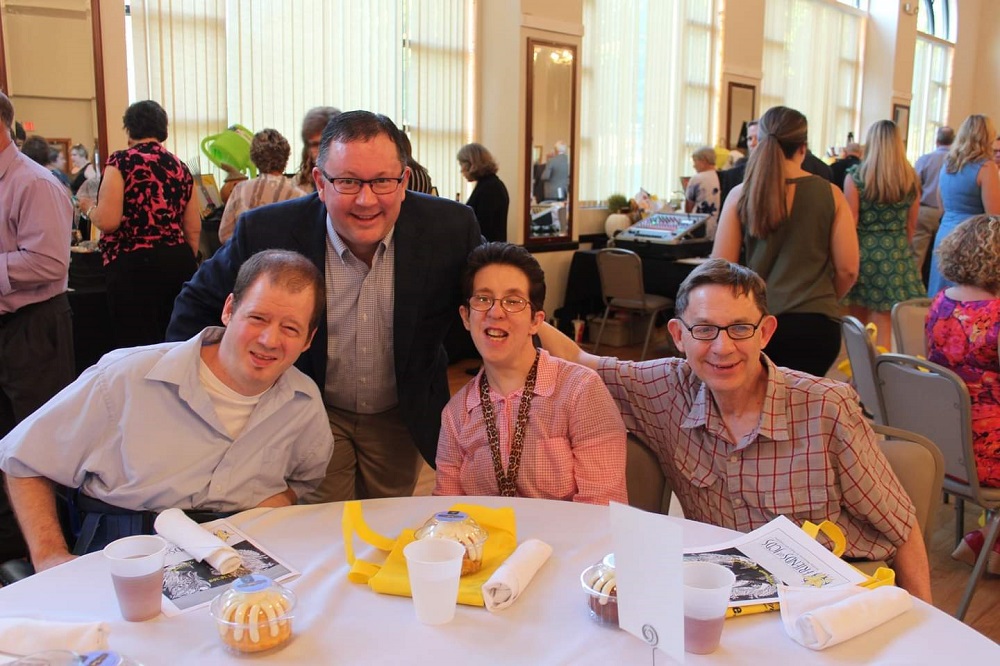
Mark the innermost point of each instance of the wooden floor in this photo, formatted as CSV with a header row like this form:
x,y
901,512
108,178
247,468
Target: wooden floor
x,y
948,577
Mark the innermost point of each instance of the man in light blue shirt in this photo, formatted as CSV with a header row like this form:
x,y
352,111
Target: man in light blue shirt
x,y
928,168
218,423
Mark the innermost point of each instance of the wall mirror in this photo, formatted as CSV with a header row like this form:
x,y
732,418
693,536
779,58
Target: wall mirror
x,y
551,126
51,68
740,109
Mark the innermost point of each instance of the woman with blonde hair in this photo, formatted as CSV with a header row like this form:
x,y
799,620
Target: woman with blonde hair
x,y
799,236
702,193
489,199
963,327
883,193
969,185
313,124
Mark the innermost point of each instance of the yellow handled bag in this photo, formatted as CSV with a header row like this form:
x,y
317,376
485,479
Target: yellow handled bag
x,y
391,577
882,575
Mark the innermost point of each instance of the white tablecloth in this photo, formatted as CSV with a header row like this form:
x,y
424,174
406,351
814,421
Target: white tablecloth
x,y
339,622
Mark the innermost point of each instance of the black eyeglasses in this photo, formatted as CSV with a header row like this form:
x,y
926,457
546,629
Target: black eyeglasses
x,y
711,331
511,305
354,185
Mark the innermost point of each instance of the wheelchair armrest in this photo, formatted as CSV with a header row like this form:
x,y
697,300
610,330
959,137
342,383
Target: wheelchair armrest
x,y
15,570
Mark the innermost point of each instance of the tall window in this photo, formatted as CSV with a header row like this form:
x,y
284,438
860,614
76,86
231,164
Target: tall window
x,y
646,90
932,62
812,63
212,63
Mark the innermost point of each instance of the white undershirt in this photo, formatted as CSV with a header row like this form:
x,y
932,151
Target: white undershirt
x,y
233,408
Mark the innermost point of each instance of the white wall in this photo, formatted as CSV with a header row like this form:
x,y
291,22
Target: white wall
x,y
503,29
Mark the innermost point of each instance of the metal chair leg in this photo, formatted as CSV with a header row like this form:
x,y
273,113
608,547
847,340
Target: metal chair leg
x,y
600,333
959,520
649,331
993,522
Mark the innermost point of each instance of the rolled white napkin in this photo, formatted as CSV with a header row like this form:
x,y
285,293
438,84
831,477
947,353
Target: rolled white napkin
x,y
199,543
818,618
24,636
512,577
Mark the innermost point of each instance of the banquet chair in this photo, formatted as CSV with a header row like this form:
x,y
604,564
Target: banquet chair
x,y
908,319
919,465
622,289
647,487
933,401
861,353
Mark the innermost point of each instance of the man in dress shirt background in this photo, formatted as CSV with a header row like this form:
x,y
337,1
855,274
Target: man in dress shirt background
x,y
218,423
928,168
392,261
36,329
743,441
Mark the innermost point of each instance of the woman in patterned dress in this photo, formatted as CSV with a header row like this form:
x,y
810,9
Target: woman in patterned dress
x,y
150,227
883,193
963,326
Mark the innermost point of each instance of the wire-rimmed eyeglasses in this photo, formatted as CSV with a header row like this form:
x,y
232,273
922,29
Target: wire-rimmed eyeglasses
x,y
354,185
509,304
711,331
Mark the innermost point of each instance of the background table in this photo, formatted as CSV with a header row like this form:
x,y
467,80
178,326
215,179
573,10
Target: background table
x,y
340,622
583,285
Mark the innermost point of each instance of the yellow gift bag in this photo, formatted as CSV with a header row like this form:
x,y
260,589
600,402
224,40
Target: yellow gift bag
x,y
392,577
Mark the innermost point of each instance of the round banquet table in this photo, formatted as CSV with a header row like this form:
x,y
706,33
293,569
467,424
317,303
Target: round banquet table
x,y
338,622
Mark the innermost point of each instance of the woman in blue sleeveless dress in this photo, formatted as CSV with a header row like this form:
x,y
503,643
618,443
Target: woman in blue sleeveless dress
x,y
969,185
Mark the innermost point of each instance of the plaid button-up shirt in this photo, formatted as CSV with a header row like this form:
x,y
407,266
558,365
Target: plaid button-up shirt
x,y
811,457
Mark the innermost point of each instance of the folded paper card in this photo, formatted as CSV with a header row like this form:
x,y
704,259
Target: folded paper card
x,y
23,636
819,618
391,577
198,542
510,580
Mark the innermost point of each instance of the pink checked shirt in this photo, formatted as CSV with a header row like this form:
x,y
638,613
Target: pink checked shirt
x,y
574,446
812,456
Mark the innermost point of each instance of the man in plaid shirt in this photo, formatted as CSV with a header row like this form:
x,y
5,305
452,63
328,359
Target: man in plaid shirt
x,y
743,441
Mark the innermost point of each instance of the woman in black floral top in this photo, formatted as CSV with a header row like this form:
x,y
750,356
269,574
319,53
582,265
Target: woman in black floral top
x,y
150,224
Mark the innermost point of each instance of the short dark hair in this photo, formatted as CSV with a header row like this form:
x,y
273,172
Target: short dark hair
x,y
359,126
19,133
145,120
509,255
945,136
6,111
37,148
269,150
740,279
286,269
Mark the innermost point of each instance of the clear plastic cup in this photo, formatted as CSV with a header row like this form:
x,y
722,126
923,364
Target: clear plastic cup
x,y
707,587
434,567
136,565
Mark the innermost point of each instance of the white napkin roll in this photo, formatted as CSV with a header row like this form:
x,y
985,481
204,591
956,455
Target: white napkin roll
x,y
819,619
512,577
23,636
199,543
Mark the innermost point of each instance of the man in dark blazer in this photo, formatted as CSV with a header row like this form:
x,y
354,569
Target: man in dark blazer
x,y
359,218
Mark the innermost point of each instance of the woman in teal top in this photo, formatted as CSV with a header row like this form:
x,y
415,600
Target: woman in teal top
x,y
969,185
799,236
883,193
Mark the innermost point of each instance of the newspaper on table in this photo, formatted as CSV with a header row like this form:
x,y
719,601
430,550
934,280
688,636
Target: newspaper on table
x,y
189,584
779,552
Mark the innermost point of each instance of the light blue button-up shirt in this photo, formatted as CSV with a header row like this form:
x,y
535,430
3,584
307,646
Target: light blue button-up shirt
x,y
139,431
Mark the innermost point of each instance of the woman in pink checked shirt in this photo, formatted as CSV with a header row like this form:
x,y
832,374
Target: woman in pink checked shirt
x,y
529,424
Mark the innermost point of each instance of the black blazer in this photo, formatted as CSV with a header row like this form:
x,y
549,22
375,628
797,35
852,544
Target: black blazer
x,y
433,237
489,201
